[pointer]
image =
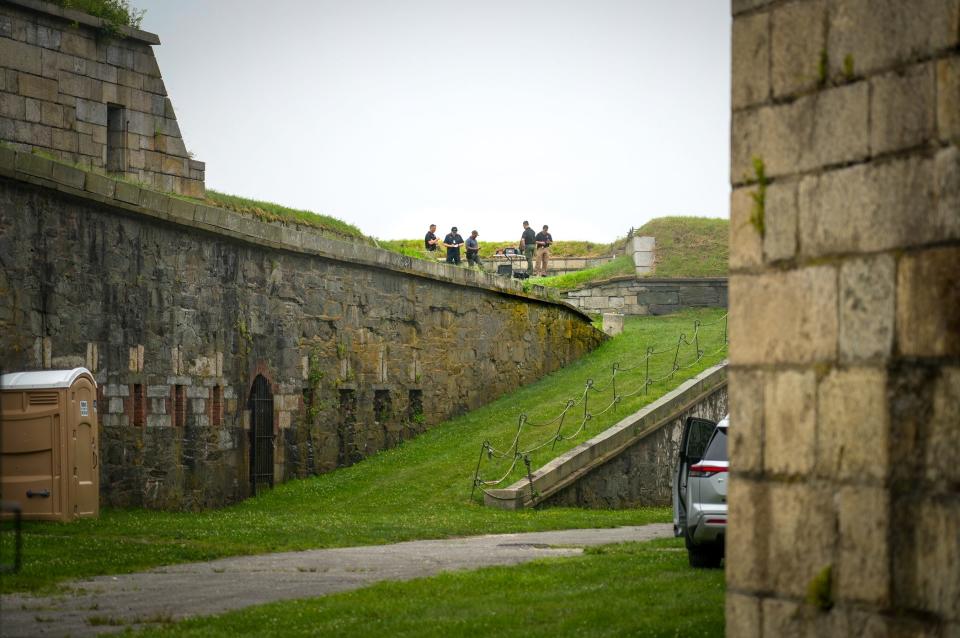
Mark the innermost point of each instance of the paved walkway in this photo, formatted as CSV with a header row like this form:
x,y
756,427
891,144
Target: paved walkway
x,y
197,589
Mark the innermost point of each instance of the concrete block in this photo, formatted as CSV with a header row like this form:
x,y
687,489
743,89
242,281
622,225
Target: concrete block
x,y
853,429
130,79
182,209
802,532
748,534
31,111
47,37
746,243
115,406
797,40
158,421
943,444
746,410
873,34
37,87
903,108
948,99
120,56
198,406
12,106
158,391
87,146
937,554
877,204
742,616
100,185
153,200
8,158
863,569
34,165
751,60
146,64
72,43
51,114
828,128
789,440
33,134
68,176
928,303
128,193
612,323
93,112
20,56
867,311
65,140
946,169
780,222
784,317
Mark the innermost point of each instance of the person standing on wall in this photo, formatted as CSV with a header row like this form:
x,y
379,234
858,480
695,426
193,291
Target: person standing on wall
x,y
544,239
528,243
473,250
452,243
430,239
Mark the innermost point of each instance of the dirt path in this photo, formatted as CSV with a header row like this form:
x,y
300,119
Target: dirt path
x,y
111,603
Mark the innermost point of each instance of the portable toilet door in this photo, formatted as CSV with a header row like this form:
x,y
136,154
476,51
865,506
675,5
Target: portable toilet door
x,y
48,443
82,452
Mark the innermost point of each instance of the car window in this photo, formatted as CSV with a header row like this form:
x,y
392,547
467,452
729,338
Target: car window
x,y
717,450
698,436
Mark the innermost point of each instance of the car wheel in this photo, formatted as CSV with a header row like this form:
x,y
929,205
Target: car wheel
x,y
708,556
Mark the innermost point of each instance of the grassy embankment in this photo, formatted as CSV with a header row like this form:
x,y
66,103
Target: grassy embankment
x,y
418,490
633,589
685,247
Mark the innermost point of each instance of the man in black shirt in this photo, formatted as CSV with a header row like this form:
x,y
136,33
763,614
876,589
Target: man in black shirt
x,y
544,239
452,243
430,239
528,243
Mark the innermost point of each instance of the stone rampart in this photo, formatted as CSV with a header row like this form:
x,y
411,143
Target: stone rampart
x,y
81,94
844,319
628,465
649,296
179,309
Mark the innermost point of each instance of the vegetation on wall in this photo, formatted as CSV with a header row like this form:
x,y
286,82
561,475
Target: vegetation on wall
x,y
115,13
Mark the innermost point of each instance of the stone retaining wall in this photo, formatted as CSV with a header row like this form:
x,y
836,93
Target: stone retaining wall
x,y
177,308
628,465
632,296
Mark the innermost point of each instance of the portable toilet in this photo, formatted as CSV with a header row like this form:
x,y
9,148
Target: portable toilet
x,y
48,443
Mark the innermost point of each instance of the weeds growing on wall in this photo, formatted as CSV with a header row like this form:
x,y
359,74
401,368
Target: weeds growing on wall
x,y
114,13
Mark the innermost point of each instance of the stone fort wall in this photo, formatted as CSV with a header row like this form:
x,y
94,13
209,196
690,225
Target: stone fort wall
x,y
631,295
69,89
178,307
845,319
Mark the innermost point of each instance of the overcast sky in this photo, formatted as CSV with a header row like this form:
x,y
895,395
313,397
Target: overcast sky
x,y
591,116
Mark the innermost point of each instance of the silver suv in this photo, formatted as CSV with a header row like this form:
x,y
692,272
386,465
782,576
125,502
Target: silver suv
x,y
700,490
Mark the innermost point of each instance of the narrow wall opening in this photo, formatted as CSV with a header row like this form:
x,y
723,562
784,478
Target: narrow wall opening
x,y
347,428
116,138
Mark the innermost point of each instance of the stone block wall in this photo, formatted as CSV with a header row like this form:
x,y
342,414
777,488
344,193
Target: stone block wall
x,y
177,308
648,296
70,89
845,319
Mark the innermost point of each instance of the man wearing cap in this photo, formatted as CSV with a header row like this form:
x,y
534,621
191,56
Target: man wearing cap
x,y
452,243
544,240
473,250
528,242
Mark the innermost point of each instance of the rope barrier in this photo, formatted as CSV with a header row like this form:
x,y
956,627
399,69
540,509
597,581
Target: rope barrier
x,y
515,454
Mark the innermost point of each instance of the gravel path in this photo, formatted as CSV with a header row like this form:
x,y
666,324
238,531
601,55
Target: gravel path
x,y
197,589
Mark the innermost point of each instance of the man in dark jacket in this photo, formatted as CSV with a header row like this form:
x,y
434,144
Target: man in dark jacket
x,y
528,244
452,243
430,239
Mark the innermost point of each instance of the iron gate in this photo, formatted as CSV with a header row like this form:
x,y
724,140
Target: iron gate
x,y
261,435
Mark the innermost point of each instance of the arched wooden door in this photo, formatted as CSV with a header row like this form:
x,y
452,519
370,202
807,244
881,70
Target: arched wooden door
x,y
261,435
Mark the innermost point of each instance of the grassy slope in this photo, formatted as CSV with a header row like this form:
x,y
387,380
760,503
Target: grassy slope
x,y
414,247
633,589
689,246
418,490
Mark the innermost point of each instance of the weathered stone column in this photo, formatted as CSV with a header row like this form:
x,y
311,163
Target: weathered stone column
x,y
845,319
643,250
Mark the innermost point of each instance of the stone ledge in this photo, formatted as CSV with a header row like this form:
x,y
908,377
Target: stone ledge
x,y
39,171
72,15
589,455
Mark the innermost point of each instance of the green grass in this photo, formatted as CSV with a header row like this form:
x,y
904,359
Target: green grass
x,y
622,265
270,212
418,490
631,589
689,246
572,248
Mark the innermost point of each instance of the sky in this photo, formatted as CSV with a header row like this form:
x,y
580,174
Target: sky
x,y
592,116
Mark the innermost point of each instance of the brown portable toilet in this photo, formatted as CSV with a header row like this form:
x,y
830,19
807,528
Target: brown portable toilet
x,y
48,443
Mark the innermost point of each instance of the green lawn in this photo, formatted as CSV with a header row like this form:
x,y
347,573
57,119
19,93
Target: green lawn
x,y
689,246
632,589
418,490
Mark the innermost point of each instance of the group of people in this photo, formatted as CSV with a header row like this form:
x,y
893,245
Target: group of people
x,y
532,246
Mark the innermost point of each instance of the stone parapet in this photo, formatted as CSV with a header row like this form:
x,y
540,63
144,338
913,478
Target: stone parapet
x,y
629,295
844,318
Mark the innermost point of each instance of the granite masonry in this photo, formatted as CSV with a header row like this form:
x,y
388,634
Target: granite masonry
x,y
233,353
845,319
73,89
631,295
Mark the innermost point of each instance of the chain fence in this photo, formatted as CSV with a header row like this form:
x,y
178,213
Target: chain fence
x,y
595,400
